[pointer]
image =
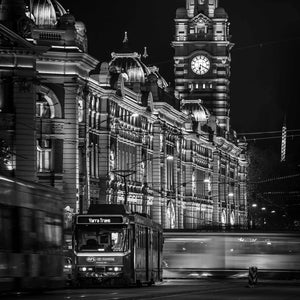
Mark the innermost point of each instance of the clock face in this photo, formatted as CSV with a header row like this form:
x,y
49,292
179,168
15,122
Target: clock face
x,y
200,64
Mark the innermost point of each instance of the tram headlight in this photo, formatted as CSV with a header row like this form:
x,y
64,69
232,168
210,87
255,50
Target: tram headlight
x,y
114,269
86,269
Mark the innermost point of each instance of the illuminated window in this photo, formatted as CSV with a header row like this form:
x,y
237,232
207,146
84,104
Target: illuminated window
x,y
80,111
92,160
42,108
45,106
44,156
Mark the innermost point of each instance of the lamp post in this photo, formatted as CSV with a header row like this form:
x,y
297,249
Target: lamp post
x,y
252,212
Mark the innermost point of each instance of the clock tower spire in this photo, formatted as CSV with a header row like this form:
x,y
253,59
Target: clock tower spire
x,y
202,56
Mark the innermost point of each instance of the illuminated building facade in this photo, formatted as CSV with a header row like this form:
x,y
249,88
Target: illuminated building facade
x,y
115,132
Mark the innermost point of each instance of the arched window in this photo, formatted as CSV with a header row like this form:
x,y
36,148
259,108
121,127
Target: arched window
x,y
43,107
47,104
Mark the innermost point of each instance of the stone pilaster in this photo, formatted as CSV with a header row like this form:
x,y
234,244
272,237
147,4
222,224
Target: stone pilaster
x,y
164,178
243,203
25,132
71,151
236,198
215,189
104,149
157,201
177,184
137,165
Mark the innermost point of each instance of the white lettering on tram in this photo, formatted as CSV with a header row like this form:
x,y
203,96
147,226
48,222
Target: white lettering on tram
x,y
99,220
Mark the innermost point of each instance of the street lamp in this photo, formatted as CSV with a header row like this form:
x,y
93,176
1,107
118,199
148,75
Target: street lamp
x,y
252,215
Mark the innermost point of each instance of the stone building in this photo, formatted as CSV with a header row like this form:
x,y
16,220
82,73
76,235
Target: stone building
x,y
116,132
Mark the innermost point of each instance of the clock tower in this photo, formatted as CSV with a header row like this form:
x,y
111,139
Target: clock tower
x,y
202,56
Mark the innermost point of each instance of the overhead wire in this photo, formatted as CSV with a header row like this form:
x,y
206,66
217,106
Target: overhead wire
x,y
266,132
271,137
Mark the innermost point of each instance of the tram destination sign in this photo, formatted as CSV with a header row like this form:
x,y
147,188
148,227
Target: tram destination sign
x,y
100,220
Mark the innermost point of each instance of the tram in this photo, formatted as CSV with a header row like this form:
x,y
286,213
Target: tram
x,y
113,246
31,231
203,254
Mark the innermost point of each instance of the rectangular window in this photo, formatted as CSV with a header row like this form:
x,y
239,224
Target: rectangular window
x,y
44,151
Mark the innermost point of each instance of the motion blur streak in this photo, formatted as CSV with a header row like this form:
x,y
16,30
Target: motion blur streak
x,y
198,255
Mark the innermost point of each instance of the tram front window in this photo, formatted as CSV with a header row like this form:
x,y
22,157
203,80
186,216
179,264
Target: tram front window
x,y
94,238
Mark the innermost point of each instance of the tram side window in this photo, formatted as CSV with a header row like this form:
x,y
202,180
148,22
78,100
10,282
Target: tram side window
x,y
139,236
40,219
28,228
154,241
6,229
144,237
53,232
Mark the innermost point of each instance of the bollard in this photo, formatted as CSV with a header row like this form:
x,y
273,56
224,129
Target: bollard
x,y
252,277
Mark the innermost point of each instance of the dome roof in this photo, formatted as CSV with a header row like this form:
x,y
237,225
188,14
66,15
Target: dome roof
x,y
181,13
220,13
196,109
131,64
46,12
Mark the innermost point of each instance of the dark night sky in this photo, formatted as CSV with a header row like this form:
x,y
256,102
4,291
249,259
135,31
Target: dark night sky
x,y
265,59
